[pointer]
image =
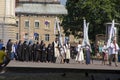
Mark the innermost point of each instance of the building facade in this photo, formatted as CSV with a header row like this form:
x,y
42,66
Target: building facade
x,y
7,20
30,20
35,19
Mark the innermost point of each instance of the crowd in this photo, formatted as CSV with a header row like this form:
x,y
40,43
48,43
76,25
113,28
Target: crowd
x,y
39,52
109,53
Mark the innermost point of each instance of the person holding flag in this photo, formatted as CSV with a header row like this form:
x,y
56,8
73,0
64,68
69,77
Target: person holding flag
x,y
58,44
86,42
112,45
114,53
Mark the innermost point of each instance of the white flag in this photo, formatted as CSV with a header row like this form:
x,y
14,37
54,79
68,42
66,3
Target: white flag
x,y
85,31
55,25
112,34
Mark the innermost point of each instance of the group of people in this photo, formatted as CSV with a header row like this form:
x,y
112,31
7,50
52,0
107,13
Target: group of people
x,y
39,52
109,53
83,49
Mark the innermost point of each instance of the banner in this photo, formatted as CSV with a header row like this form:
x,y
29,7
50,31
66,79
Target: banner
x,y
57,26
85,32
111,35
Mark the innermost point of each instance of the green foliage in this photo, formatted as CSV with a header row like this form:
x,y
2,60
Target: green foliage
x,y
96,12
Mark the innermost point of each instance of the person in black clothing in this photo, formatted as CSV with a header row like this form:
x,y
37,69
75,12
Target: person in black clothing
x,y
44,53
9,47
19,50
49,53
29,55
24,51
37,49
41,47
33,53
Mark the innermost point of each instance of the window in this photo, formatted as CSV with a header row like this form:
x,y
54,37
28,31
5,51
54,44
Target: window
x,y
26,36
27,24
37,24
47,37
17,23
36,36
47,24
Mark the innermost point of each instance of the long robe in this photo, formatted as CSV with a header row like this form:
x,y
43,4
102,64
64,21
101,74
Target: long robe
x,y
80,55
87,51
56,50
49,53
37,54
67,51
44,54
24,52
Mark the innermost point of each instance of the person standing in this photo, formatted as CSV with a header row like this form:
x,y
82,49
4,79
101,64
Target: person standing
x,y
24,51
19,50
33,53
41,48
104,53
52,53
44,53
87,51
29,56
67,56
9,47
13,52
80,55
49,53
56,50
38,52
16,45
62,53
114,53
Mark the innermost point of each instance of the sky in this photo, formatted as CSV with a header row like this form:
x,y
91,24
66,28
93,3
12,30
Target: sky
x,y
63,1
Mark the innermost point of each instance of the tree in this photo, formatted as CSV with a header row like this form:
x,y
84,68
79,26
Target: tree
x,y
97,12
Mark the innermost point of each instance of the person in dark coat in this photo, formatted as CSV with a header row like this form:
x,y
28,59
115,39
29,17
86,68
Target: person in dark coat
x,y
49,53
24,51
19,50
37,52
33,53
9,47
29,56
52,53
44,53
87,51
41,47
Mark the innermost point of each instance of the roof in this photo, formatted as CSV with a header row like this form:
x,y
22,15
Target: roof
x,y
31,8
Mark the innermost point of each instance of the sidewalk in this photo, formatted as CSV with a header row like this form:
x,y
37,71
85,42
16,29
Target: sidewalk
x,y
16,66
